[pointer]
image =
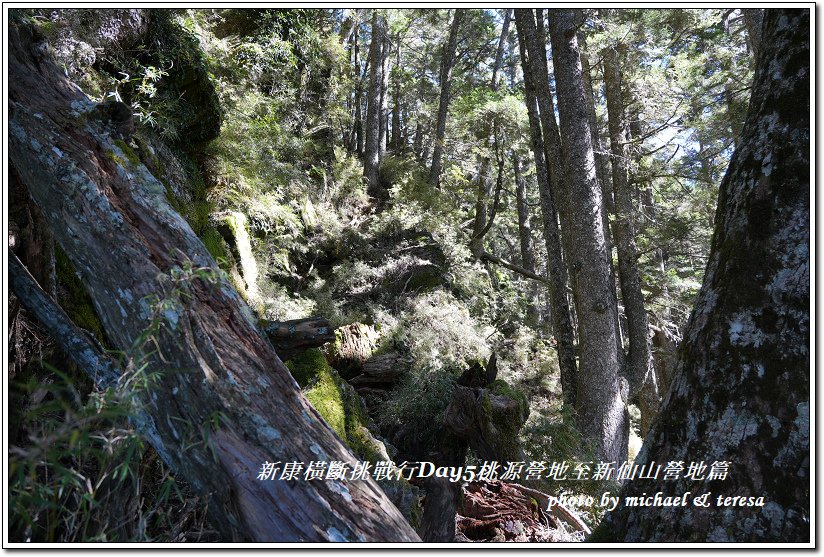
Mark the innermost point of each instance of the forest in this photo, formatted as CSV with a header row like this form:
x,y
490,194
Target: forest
x,y
408,275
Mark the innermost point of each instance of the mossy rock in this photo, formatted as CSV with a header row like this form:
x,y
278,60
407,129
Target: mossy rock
x,y
338,403
216,245
127,149
306,367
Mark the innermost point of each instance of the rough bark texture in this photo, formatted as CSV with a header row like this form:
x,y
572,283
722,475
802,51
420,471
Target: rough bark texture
x,y
354,344
753,19
74,341
447,63
741,391
556,267
372,155
601,411
604,181
211,358
382,371
640,368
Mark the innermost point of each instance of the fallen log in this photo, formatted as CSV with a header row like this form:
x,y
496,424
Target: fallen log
x,y
292,338
223,403
383,370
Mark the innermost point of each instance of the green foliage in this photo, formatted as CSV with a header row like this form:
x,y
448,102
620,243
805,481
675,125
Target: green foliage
x,y
418,405
83,470
441,334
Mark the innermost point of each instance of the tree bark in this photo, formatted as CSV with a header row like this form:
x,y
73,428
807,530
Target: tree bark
x,y
604,181
214,365
396,98
601,409
640,368
292,338
356,133
384,119
525,239
556,267
74,341
753,20
447,63
741,391
481,226
372,156
499,53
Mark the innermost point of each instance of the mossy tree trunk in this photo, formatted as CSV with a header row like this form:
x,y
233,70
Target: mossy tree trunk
x,y
741,388
112,219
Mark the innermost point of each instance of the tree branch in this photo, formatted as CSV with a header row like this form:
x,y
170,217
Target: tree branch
x,y
73,340
512,267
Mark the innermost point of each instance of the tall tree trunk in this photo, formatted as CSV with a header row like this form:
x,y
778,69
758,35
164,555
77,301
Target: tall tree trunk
x,y
499,53
556,268
447,63
356,133
641,372
216,372
741,390
384,119
396,98
372,158
525,239
604,180
482,192
601,408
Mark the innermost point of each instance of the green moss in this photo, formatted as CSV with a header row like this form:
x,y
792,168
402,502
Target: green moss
x,y
501,387
116,159
76,302
336,401
215,243
307,366
151,159
198,215
486,404
325,395
128,151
